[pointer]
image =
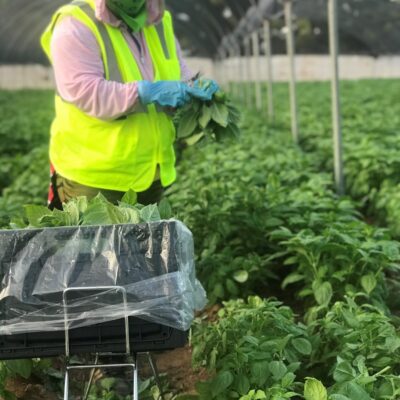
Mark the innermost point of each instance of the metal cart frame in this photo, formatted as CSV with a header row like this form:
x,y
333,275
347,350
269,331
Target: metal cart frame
x,y
131,360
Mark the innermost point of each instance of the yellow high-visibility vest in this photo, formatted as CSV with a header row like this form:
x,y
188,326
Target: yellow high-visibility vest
x,y
121,154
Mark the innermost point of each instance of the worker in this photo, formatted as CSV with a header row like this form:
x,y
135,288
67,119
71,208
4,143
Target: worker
x,y
119,72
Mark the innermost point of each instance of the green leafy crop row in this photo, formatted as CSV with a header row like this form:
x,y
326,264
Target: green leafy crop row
x,y
267,215
371,127
267,222
258,349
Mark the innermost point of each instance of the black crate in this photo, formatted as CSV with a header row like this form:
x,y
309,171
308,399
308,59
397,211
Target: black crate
x,y
105,337
142,252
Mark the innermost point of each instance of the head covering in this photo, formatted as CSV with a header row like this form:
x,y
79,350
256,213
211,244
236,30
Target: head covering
x,y
155,12
132,12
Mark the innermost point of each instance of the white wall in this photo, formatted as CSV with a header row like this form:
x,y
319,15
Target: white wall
x,y
26,77
309,68
313,68
203,65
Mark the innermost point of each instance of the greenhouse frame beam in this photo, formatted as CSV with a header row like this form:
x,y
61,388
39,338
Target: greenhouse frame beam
x,y
205,29
253,19
202,18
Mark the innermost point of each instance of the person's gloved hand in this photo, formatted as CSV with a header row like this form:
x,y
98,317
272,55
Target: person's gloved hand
x,y
204,89
165,93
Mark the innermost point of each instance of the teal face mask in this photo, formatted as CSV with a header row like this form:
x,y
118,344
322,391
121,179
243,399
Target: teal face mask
x,y
132,12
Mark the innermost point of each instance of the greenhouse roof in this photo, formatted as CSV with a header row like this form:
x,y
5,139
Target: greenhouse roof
x,y
366,26
200,26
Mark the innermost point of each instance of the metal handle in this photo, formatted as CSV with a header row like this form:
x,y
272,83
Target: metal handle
x,y
94,289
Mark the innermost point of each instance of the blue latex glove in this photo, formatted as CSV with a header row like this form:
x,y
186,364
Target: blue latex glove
x,y
165,93
204,89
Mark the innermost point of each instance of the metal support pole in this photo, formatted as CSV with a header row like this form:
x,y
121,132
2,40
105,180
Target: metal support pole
x,y
238,70
216,70
256,70
66,385
247,61
91,377
242,68
292,68
268,57
224,66
220,76
156,375
231,71
336,111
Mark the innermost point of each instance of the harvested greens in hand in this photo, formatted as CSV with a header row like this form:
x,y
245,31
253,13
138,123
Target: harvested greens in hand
x,y
216,119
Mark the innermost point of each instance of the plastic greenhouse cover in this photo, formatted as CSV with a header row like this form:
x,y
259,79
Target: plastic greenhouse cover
x,y
152,265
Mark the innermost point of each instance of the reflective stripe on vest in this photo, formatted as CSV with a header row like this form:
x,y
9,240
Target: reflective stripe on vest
x,y
113,69
114,73
120,154
161,35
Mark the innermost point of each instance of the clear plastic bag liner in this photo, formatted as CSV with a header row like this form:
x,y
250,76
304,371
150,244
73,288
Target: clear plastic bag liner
x,y
88,275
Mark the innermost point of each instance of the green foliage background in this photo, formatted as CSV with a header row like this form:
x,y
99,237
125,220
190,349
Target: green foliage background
x,y
307,282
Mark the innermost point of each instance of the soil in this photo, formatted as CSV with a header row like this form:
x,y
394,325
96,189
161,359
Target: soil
x,y
210,314
27,390
177,364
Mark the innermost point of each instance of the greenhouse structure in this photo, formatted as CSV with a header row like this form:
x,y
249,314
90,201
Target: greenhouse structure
x,y
200,199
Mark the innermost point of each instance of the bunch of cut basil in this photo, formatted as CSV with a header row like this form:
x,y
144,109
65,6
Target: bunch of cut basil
x,y
96,211
216,119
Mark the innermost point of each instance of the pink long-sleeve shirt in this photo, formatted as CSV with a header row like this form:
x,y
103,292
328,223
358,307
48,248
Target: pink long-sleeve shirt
x,y
79,70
